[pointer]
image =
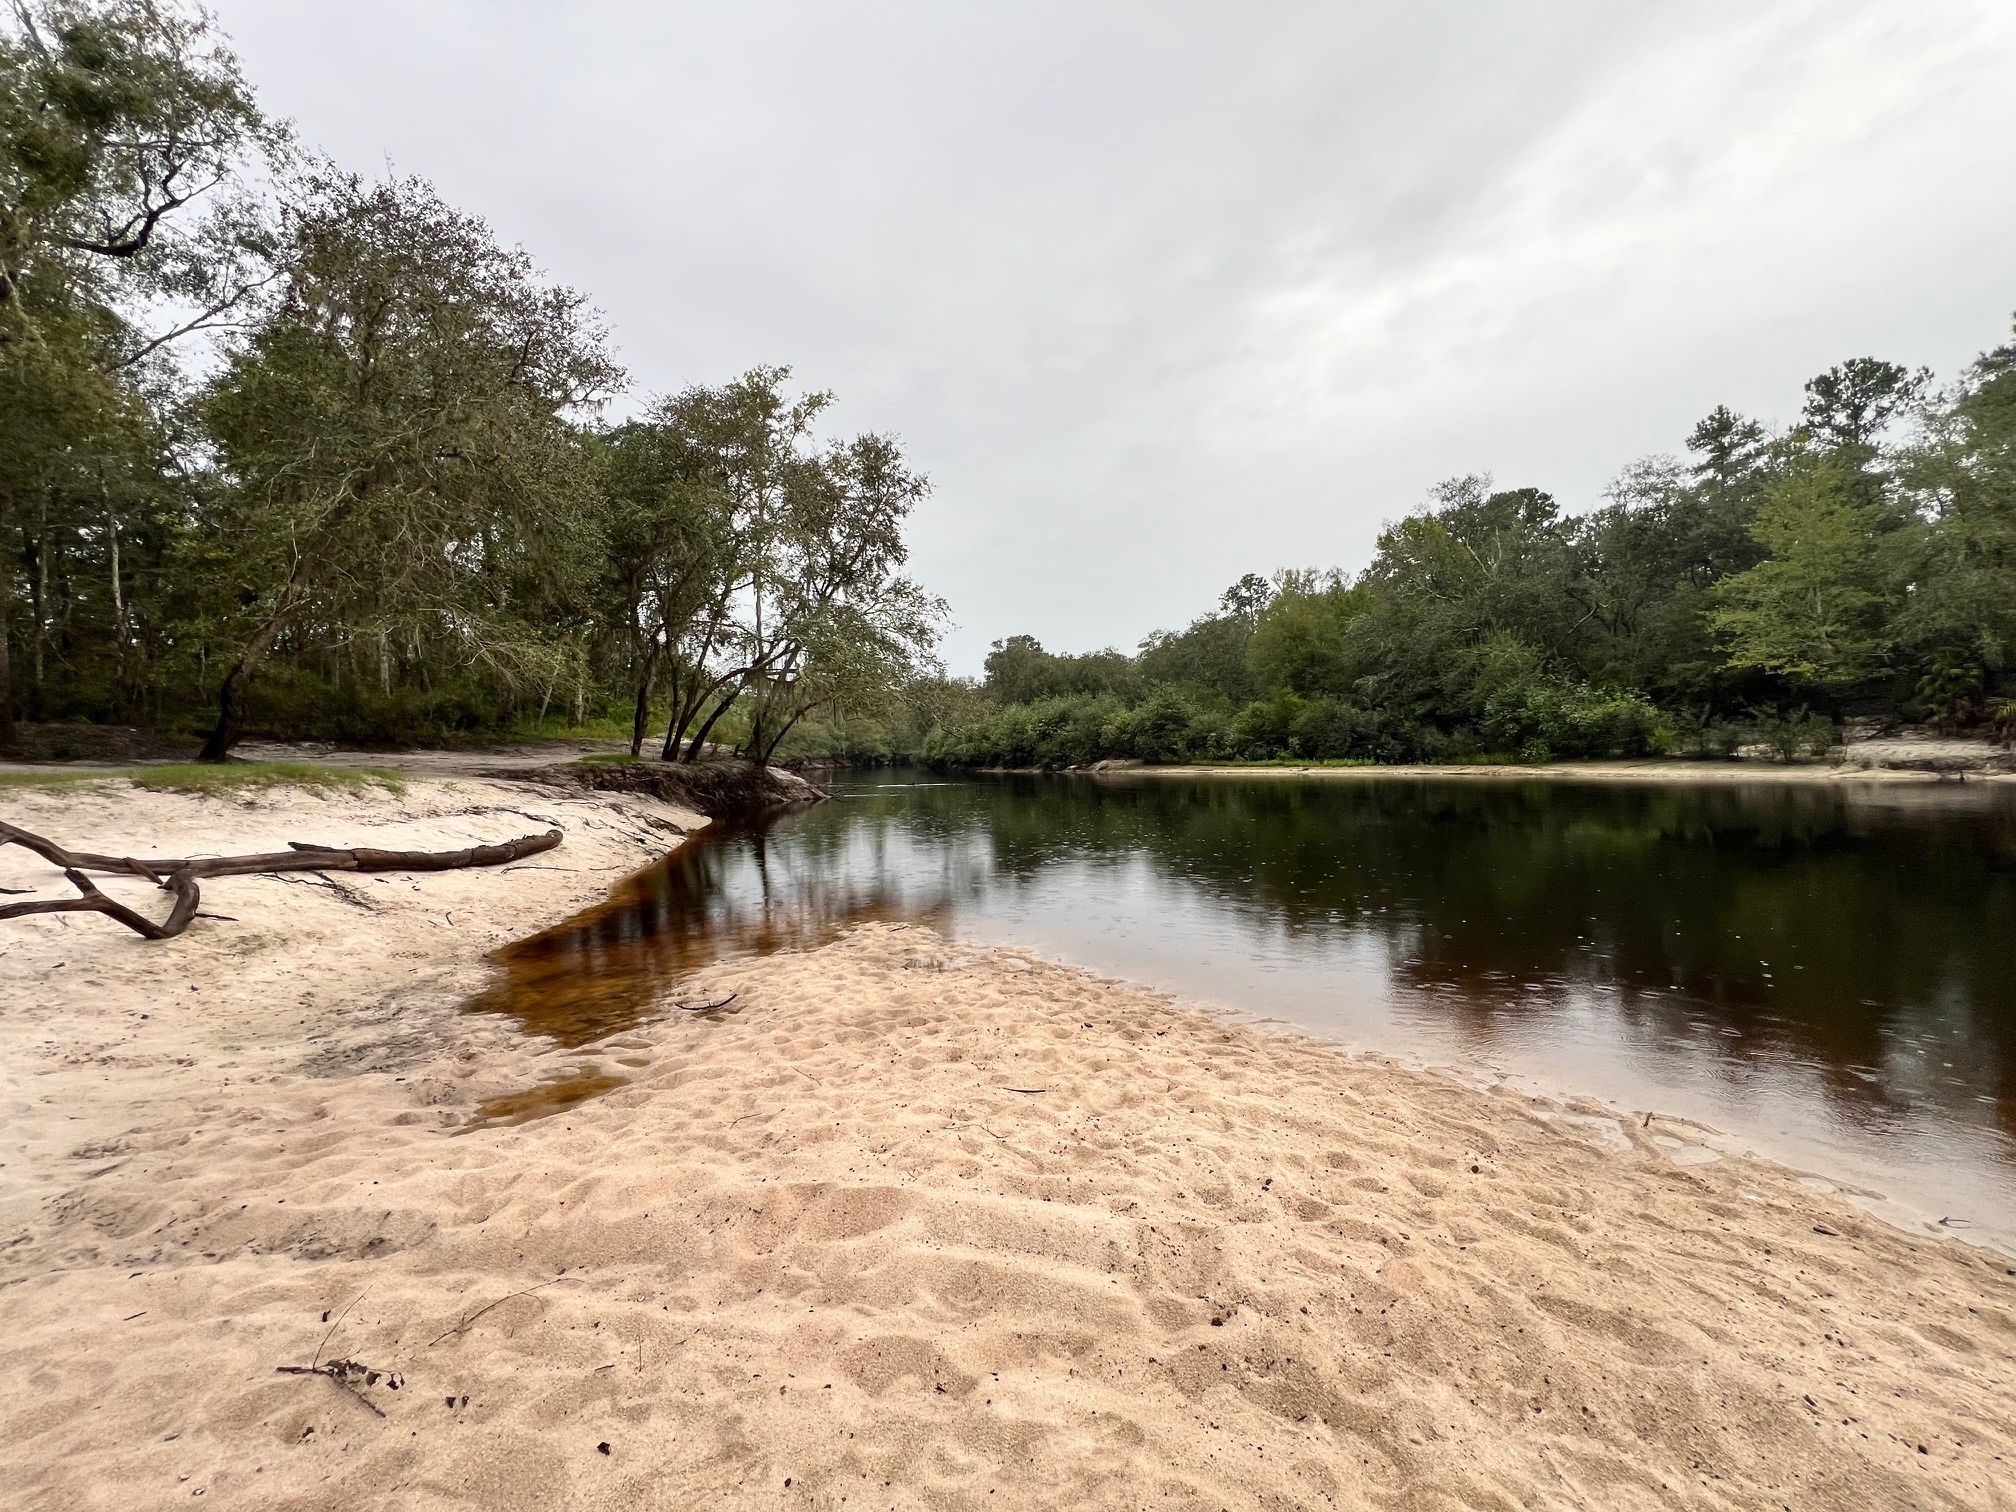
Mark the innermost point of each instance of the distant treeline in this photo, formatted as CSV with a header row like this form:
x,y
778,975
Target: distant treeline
x,y
1760,590
284,450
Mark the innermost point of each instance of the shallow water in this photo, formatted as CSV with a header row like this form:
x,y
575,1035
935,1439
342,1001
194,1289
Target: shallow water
x,y
1828,972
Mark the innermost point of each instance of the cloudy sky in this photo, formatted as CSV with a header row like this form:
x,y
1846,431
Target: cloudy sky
x,y
1160,292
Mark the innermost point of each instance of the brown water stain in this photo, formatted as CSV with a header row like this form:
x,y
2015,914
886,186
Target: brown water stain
x,y
620,963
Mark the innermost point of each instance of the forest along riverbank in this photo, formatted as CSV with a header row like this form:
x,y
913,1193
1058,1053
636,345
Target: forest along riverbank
x,y
933,1223
1925,767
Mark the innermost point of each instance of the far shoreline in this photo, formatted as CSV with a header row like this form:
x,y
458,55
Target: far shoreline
x,y
1653,771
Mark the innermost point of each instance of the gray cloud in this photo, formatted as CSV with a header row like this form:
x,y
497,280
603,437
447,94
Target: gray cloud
x,y
1161,293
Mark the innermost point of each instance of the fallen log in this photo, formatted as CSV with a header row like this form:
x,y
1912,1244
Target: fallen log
x,y
178,874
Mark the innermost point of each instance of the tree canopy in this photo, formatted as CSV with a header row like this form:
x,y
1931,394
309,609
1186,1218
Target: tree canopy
x,y
289,450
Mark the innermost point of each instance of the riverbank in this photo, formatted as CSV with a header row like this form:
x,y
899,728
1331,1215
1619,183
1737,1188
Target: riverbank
x,y
1581,771
906,1224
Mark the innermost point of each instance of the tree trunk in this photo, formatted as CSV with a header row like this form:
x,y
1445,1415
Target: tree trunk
x,y
118,588
675,719
231,697
642,718
680,714
6,614
696,700
40,606
230,712
763,756
6,661
700,739
686,710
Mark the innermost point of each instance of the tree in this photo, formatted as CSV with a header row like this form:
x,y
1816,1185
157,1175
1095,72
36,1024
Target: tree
x,y
1848,406
1019,670
1643,567
1302,638
756,444
761,569
1731,447
1482,565
1211,655
1814,610
668,525
846,629
1959,610
394,452
114,119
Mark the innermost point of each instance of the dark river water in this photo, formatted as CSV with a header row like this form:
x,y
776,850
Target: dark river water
x,y
1824,973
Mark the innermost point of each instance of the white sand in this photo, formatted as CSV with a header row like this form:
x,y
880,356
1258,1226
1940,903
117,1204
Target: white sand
x,y
821,1253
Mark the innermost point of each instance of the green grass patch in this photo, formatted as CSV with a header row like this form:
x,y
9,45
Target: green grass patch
x,y
230,777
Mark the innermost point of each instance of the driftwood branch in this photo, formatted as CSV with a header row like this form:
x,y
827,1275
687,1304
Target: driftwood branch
x,y
94,901
178,875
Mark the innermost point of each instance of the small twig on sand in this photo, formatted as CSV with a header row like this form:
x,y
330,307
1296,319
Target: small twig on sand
x,y
317,1358
707,1007
345,1373
349,895
463,1326
982,1128
1025,1089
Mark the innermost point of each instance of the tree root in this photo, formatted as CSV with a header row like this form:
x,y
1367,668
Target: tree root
x,y
178,875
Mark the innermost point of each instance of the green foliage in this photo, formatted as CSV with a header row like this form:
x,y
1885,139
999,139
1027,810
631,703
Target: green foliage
x,y
1698,733
1814,609
1522,706
1792,735
1952,694
395,461
1019,670
2002,719
1301,638
1214,654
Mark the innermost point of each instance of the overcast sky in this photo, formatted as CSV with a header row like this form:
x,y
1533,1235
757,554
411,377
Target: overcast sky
x,y
1160,293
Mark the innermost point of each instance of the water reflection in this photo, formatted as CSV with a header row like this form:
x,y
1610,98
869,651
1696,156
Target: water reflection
x,y
1816,959
728,892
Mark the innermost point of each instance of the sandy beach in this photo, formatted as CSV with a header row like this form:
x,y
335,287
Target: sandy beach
x,y
907,1224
